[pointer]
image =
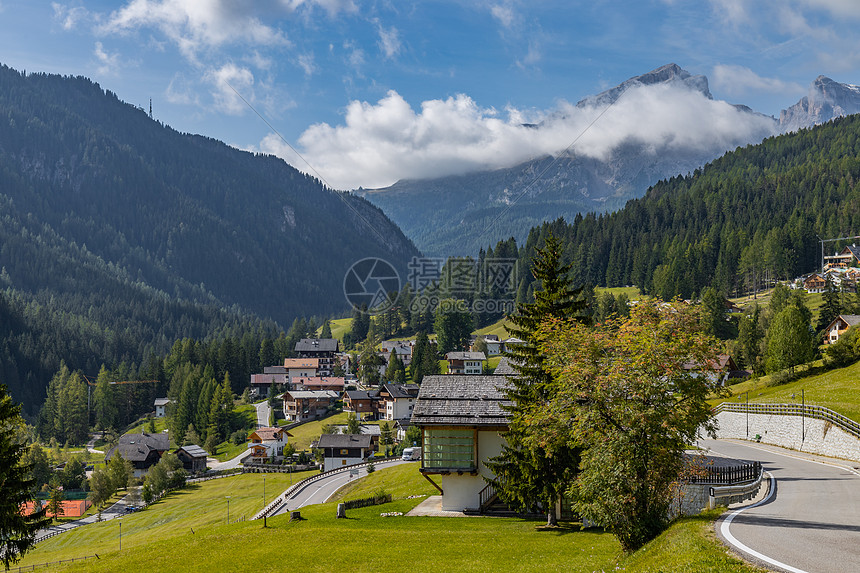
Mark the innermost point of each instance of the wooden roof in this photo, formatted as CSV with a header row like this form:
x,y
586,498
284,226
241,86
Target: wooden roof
x,y
461,401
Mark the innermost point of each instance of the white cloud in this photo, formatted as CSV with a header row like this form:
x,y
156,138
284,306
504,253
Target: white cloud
x,y
306,63
504,13
224,81
69,17
109,64
733,12
846,8
196,24
389,40
333,7
740,80
378,144
180,92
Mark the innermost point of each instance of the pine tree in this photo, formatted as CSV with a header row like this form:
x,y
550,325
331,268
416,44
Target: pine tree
x,y
18,530
526,475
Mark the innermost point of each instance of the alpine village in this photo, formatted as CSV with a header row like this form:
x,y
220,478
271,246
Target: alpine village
x,y
430,335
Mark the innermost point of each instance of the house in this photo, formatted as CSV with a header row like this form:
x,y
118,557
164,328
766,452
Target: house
x,y
335,383
322,349
400,429
847,257
396,401
465,362
510,342
340,450
277,376
461,420
301,368
372,430
838,326
494,345
403,351
814,283
193,458
361,402
142,450
304,405
266,443
161,407
724,368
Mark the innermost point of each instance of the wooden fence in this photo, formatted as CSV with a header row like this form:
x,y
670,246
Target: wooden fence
x,y
61,561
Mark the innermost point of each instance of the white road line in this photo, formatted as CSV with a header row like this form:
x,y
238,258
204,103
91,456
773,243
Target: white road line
x,y
724,529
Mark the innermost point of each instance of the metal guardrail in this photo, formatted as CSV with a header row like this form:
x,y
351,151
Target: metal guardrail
x,y
281,499
806,411
734,493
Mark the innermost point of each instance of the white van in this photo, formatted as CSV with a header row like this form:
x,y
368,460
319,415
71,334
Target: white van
x,y
410,454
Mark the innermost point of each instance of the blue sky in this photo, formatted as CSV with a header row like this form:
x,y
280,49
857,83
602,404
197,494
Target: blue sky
x,y
370,92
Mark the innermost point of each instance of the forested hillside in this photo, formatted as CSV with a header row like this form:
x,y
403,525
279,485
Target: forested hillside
x,y
119,235
749,217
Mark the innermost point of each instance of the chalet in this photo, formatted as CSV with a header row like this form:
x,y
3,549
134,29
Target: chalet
x,y
193,458
334,383
265,443
396,401
403,351
724,368
301,368
161,407
494,345
304,405
361,402
814,283
322,349
372,430
277,376
838,326
465,362
461,420
340,450
142,450
510,342
847,257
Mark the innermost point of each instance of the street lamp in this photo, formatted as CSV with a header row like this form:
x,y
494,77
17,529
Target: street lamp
x,y
264,500
228,510
120,533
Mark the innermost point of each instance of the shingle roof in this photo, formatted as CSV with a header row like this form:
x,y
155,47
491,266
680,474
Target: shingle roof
x,y
137,447
344,441
162,401
194,451
317,344
850,319
268,434
301,362
401,390
465,356
461,401
504,368
311,394
360,395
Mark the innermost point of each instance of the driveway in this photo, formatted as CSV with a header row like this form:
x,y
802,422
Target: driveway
x,y
810,521
263,410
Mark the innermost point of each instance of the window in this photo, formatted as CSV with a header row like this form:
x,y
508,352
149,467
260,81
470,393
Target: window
x,y
449,449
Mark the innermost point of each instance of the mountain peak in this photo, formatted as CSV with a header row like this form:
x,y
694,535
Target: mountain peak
x,y
827,99
668,74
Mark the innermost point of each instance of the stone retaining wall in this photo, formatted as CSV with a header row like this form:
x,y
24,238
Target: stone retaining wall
x,y
793,432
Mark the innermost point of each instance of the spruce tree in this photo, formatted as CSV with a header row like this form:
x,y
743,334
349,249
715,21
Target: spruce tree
x,y
527,475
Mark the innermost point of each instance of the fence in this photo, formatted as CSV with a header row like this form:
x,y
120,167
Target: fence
x,y
806,411
367,502
729,475
33,567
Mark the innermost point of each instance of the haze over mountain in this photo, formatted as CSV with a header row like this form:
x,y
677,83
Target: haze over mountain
x,y
134,235
619,142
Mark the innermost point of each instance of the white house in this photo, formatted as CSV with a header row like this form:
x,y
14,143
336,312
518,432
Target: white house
x,y
465,362
396,401
161,407
266,443
461,420
300,368
838,326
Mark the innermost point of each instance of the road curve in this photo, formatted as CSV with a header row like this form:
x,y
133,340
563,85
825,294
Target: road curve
x,y
809,523
321,490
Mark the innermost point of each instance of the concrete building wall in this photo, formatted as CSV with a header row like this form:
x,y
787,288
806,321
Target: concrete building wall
x,y
462,491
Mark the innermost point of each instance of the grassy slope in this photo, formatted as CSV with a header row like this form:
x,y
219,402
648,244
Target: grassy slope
x,y
160,538
837,389
339,327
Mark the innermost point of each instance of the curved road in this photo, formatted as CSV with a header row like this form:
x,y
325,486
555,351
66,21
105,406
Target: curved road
x,y
321,490
810,521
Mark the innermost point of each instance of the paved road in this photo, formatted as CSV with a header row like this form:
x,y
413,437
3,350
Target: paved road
x,y
810,524
263,410
322,489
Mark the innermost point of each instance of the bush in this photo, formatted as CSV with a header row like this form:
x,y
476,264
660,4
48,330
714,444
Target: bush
x,y
239,437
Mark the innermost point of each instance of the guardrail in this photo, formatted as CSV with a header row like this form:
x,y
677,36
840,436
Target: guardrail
x,y
806,411
281,499
734,493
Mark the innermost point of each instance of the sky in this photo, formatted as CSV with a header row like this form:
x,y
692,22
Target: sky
x,y
367,93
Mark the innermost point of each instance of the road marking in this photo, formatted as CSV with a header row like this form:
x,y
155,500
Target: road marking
x,y
724,529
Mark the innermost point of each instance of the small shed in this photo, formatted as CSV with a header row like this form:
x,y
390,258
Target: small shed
x,y
193,458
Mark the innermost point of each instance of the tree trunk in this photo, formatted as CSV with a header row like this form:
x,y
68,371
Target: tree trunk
x,y
551,520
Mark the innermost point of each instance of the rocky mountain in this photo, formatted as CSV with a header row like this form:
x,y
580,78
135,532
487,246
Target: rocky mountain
x,y
458,215
827,100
